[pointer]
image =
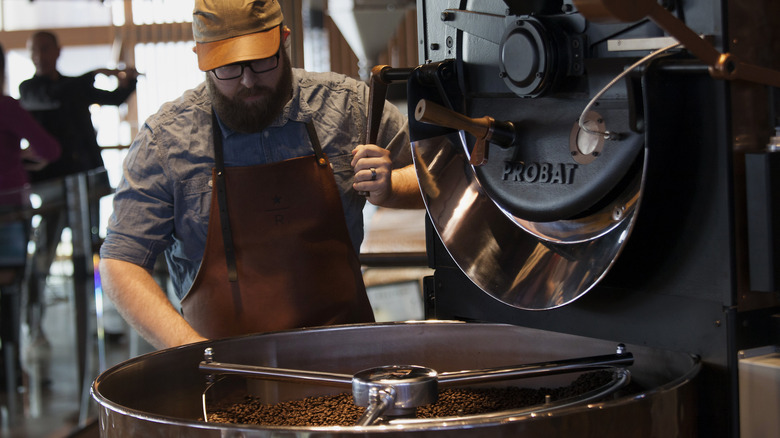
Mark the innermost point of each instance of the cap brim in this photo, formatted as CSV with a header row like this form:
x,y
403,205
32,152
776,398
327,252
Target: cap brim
x,y
257,45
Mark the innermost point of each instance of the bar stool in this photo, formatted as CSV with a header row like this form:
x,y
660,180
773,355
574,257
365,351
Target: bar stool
x,y
74,201
14,233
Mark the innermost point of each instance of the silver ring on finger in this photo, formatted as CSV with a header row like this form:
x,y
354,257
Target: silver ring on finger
x,y
373,173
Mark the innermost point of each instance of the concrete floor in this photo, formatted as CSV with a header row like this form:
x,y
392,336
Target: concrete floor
x,y
51,401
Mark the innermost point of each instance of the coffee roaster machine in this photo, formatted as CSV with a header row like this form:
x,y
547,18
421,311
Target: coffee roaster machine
x,y
606,169
597,180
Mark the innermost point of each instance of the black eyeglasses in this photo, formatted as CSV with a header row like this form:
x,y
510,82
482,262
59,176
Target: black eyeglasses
x,y
233,71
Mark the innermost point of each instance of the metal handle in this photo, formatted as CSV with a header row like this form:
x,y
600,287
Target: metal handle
x,y
484,129
381,77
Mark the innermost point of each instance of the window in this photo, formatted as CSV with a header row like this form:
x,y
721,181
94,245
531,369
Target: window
x,y
51,14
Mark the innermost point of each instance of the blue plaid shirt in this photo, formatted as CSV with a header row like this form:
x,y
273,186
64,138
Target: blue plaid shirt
x,y
162,202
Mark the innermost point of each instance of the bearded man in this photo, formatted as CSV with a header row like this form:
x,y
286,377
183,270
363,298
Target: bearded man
x,y
250,186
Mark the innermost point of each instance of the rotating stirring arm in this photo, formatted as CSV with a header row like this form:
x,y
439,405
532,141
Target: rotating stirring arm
x,y
396,390
270,373
621,358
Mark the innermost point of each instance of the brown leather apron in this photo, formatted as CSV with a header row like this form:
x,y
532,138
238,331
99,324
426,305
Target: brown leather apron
x,y
284,259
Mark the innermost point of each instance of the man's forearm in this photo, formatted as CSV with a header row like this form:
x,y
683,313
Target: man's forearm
x,y
406,190
144,305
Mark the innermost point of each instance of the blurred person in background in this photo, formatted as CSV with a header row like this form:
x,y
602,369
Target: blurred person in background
x,y
16,124
61,104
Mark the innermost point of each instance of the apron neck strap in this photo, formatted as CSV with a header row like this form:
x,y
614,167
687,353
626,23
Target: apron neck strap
x,y
315,144
219,164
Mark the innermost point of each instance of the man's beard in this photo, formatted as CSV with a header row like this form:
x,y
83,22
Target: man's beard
x,y
259,114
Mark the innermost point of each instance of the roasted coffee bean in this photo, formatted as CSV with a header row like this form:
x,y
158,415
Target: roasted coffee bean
x,y
340,409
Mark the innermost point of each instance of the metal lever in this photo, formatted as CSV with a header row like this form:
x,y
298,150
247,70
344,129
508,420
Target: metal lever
x,y
381,77
377,87
485,129
722,65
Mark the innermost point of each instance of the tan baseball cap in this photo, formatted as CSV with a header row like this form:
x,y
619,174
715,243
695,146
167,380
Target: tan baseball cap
x,y
228,31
